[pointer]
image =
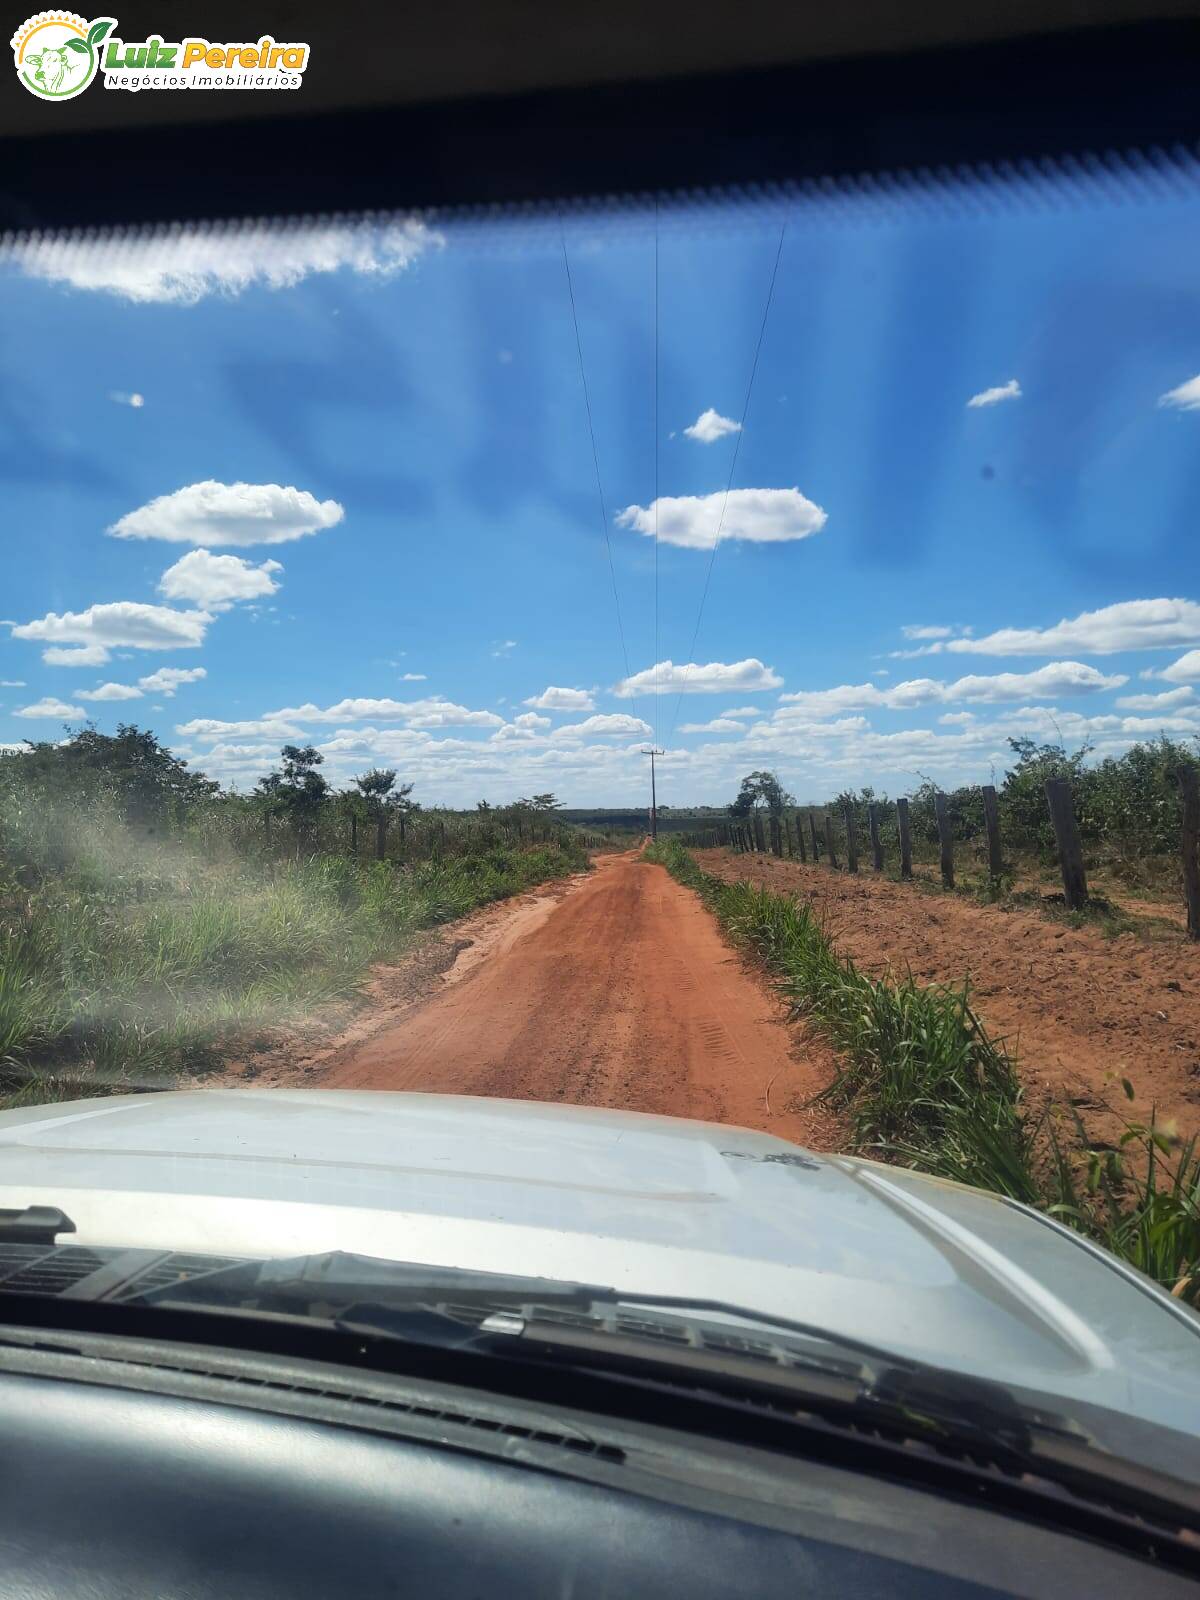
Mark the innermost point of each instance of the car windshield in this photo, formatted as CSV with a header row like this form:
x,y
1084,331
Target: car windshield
x,y
733,659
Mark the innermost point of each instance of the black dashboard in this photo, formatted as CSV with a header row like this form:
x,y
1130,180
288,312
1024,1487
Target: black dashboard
x,y
149,1470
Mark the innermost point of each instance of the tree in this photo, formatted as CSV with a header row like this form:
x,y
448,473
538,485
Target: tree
x,y
129,768
350,806
382,799
403,806
1024,792
761,791
298,791
541,802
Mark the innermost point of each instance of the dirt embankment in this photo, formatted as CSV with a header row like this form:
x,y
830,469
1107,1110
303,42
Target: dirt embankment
x,y
614,989
1079,1009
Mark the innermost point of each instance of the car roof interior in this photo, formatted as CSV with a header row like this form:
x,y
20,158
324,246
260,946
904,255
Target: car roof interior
x,y
469,104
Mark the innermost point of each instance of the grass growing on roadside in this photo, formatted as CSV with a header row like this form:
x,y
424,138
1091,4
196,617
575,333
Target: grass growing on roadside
x,y
124,970
923,1084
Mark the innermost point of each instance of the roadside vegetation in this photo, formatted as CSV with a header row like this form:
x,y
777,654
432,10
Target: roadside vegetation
x,y
150,922
1127,808
923,1085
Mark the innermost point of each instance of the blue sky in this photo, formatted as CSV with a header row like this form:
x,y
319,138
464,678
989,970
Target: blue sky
x,y
337,485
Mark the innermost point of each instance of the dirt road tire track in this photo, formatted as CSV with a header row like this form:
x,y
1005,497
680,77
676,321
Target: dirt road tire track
x,y
622,992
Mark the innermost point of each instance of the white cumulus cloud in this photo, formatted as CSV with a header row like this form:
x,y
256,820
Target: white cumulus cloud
x,y
1046,683
829,702
257,727
1157,702
216,582
167,679
119,624
756,516
413,677
991,397
528,725
712,677
1185,670
118,397
110,691
82,655
183,266
1127,625
605,723
212,513
1185,398
414,713
49,707
556,699
710,425
717,725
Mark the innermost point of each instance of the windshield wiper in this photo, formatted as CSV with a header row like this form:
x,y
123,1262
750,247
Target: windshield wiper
x,y
329,1286
718,1354
33,1225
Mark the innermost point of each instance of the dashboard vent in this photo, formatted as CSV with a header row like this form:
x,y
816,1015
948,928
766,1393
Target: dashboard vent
x,y
32,1269
172,1270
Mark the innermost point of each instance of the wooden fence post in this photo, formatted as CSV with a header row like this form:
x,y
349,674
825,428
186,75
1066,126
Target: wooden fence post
x,y
812,828
905,838
800,837
1189,790
776,841
787,834
991,821
876,846
760,843
380,836
1066,835
830,852
851,840
945,839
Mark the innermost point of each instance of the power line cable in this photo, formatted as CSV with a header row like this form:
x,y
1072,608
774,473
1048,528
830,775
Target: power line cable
x,y
729,483
612,571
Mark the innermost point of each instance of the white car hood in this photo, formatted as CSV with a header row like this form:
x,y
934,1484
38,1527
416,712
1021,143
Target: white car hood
x,y
639,1203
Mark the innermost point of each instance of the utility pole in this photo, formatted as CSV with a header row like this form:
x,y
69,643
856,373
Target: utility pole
x,y
652,752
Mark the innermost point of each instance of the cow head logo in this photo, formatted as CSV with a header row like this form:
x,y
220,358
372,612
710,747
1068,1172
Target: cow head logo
x,y
57,53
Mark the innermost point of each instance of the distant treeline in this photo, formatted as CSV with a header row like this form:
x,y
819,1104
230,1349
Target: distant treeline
x,y
614,819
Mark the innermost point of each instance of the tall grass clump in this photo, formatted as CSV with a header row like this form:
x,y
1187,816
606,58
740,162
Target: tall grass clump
x,y
923,1084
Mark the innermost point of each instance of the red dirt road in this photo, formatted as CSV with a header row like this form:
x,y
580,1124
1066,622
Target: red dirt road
x,y
618,992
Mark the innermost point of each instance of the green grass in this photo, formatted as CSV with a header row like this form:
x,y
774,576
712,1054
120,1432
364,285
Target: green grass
x,y
923,1084
123,969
